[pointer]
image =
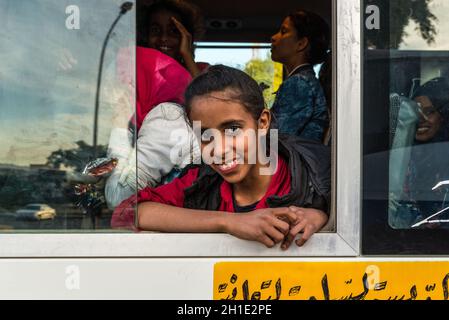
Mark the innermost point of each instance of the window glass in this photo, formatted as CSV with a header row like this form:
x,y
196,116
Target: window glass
x,y
240,47
406,125
50,57
253,58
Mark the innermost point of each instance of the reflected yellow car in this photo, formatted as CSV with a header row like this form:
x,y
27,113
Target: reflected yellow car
x,y
36,211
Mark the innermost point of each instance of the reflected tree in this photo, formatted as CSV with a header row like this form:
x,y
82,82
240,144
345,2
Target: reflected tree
x,y
402,11
75,158
401,14
262,70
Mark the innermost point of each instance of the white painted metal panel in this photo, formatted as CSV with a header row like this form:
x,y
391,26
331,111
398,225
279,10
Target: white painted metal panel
x,y
346,240
155,279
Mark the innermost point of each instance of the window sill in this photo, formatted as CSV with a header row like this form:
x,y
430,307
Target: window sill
x,y
161,245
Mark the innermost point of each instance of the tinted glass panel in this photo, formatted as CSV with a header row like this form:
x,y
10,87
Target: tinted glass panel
x,y
50,57
406,126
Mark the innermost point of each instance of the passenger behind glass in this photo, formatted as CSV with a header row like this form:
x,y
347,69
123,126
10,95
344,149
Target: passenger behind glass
x,y
171,26
272,200
429,163
300,107
165,142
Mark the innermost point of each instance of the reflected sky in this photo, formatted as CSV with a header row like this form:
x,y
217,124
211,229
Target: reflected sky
x,y
414,41
48,75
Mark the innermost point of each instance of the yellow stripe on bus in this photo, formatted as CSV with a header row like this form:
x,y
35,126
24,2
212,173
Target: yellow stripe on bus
x,y
331,280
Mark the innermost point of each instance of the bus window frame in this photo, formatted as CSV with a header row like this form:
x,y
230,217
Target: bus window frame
x,y
346,196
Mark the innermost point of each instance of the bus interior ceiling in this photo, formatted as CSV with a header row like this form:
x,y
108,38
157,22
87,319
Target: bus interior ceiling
x,y
250,21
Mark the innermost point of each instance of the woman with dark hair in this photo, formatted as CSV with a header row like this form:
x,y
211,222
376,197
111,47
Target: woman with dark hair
x,y
429,163
300,106
170,26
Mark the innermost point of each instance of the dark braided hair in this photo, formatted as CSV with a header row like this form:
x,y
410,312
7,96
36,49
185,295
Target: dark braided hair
x,y
316,30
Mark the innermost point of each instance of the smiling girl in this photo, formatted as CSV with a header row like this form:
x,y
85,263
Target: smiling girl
x,y
232,194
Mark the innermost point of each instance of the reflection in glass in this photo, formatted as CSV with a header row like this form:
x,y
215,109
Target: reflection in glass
x,y
47,96
412,24
419,155
414,54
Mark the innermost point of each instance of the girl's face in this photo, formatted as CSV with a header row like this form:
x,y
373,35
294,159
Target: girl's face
x,y
229,135
427,129
164,36
285,44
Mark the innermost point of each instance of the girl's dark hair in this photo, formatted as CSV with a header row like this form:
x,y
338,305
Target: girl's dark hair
x,y
316,30
242,88
189,14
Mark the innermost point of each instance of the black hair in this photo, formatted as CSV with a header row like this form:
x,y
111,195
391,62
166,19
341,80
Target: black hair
x,y
189,15
316,30
241,86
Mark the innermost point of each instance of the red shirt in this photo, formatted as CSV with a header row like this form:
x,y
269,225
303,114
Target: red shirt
x,y
173,194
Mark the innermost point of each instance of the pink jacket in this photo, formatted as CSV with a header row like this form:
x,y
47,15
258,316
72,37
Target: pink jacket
x,y
159,79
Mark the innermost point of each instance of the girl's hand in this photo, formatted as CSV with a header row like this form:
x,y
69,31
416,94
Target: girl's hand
x,y
186,40
308,221
267,226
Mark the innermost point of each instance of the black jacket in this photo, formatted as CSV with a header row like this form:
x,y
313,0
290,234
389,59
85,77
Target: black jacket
x,y
310,169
